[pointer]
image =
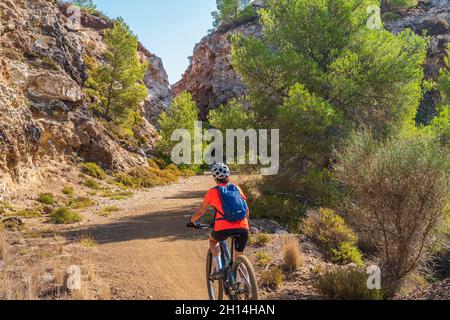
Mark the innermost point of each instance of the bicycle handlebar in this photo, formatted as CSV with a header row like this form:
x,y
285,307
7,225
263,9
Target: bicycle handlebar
x,y
199,226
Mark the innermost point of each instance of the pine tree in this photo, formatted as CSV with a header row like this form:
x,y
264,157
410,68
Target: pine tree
x,y
317,73
116,83
231,10
182,114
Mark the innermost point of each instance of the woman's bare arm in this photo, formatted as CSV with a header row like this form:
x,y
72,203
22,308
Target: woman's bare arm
x,y
200,213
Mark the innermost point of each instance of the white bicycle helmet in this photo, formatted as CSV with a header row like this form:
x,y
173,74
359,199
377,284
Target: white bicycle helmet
x,y
220,171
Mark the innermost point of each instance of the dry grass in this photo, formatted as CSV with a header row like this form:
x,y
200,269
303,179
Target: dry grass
x,y
107,211
117,196
3,247
49,280
88,241
292,256
272,278
81,203
261,239
346,284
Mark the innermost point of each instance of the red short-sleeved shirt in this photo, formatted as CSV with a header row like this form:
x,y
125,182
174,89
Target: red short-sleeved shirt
x,y
213,199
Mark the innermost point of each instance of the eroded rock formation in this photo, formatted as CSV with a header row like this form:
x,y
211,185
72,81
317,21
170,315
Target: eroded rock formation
x,y
210,77
43,113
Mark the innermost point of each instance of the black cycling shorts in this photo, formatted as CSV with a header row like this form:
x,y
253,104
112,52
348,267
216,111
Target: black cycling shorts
x,y
240,242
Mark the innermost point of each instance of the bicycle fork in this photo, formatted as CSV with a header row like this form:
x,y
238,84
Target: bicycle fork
x,y
227,261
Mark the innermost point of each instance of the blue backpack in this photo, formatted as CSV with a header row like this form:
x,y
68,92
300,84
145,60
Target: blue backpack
x,y
234,206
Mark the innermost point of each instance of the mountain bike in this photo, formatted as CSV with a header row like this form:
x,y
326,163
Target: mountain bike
x,y
239,282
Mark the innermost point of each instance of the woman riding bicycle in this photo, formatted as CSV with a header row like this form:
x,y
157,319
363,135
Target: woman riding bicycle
x,y
231,218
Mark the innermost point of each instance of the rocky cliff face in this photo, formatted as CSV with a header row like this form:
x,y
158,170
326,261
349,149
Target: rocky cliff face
x,y
212,81
432,17
43,114
210,77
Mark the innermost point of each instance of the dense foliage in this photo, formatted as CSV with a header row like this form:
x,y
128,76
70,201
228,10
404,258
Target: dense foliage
x,y
182,114
318,73
330,81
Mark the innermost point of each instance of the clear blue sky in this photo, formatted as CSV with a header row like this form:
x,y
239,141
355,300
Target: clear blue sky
x,y
170,29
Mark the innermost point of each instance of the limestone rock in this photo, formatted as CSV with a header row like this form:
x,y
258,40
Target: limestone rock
x,y
44,116
210,77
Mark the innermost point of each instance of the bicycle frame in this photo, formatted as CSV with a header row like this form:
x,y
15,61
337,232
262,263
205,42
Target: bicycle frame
x,y
227,260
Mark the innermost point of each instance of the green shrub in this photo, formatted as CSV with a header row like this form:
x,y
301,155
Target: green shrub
x,y
282,209
153,164
346,253
64,216
93,170
68,191
91,183
328,228
399,4
166,176
346,284
272,278
336,239
122,195
261,239
263,259
81,203
46,198
147,177
389,16
29,213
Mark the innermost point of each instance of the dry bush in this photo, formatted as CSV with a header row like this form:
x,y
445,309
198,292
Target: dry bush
x,y
346,284
272,278
397,192
261,239
292,256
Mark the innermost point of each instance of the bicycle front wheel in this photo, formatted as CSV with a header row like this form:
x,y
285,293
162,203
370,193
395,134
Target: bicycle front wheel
x,y
215,288
245,279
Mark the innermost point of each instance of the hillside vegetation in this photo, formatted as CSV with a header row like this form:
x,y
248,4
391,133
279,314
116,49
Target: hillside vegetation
x,y
345,97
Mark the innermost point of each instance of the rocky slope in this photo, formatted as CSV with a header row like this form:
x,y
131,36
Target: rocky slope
x,y
43,114
212,81
210,77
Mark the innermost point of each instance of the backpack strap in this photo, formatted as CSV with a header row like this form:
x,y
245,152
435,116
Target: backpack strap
x,y
217,210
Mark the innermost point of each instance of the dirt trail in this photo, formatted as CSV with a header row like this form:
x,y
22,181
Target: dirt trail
x,y
147,252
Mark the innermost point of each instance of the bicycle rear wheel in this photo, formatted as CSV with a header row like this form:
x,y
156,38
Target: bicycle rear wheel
x,y
215,288
245,279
